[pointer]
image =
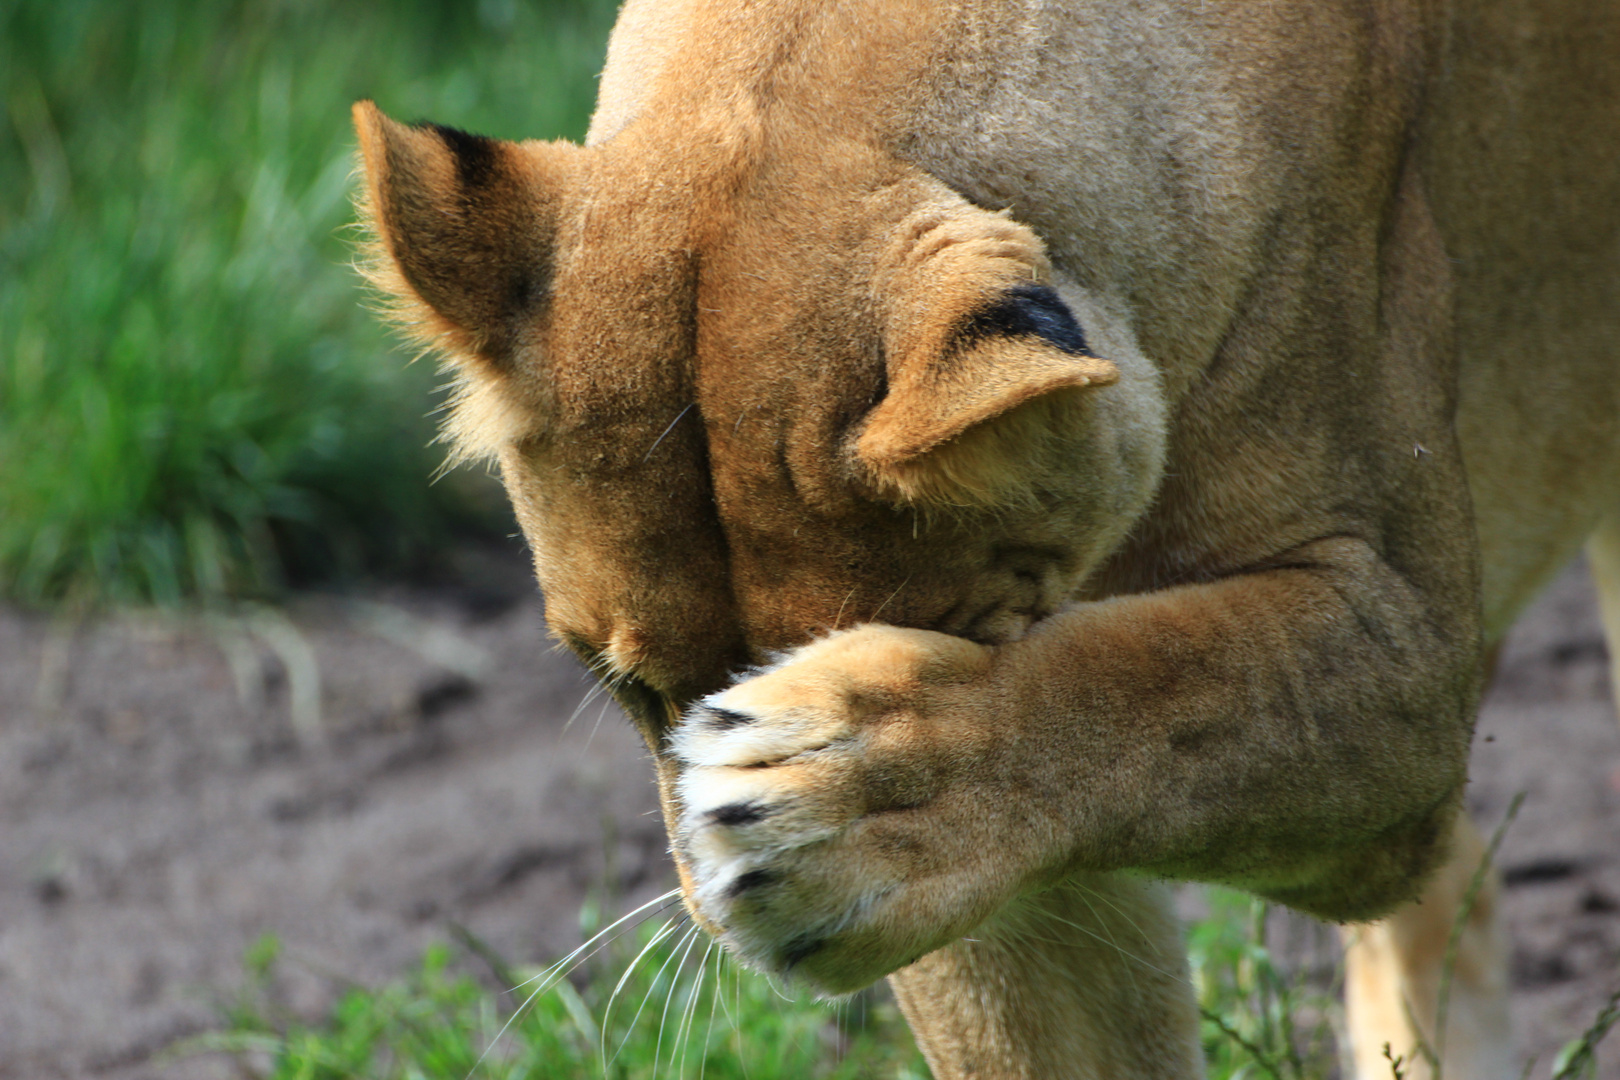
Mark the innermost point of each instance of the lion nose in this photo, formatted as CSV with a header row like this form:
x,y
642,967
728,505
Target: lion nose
x,y
681,659
627,648
679,669
654,676
654,714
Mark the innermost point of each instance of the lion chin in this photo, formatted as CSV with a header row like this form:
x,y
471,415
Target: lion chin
x,y
1005,456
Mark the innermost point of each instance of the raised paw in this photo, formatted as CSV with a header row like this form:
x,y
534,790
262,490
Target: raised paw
x,y
832,820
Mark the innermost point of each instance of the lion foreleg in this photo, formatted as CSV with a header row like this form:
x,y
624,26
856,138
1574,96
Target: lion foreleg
x,y
1084,980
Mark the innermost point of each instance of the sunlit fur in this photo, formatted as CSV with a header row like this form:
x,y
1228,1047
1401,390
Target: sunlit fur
x,y
482,413
958,612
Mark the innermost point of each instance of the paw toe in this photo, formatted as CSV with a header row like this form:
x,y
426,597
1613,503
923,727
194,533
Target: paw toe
x,y
715,734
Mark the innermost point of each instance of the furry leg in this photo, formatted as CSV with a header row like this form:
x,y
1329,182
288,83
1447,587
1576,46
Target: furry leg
x,y
1088,980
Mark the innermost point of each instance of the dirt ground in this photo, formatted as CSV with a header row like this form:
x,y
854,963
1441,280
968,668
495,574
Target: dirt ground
x,y
359,774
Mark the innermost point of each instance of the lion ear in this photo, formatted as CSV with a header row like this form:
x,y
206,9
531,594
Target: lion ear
x,y
983,360
466,226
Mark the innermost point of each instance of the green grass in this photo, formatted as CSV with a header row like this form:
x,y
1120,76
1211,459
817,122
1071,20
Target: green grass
x,y
657,1003
661,1004
193,401
1260,1018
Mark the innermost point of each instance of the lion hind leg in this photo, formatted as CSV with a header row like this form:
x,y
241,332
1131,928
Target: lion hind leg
x,y
1394,968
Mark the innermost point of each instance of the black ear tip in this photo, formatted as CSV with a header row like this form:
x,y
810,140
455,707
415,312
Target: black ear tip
x,y
1026,310
475,155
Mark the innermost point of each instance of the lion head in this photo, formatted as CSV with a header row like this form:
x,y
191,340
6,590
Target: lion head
x,y
743,393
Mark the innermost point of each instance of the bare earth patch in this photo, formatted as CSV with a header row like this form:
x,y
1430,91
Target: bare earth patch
x,y
361,775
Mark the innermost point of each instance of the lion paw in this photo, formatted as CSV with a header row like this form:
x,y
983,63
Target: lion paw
x,y
829,821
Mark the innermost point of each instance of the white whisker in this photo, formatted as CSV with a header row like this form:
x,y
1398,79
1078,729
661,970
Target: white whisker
x,y
1116,948
663,899
547,977
1130,972
839,618
652,988
890,600
714,999
607,1013
720,968
683,1036
600,713
589,696
667,430
685,949
1121,912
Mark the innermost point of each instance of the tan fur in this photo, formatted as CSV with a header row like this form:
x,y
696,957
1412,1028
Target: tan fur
x,y
779,371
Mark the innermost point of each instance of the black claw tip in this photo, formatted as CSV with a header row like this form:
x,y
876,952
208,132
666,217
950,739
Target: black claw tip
x,y
801,949
738,814
726,719
753,879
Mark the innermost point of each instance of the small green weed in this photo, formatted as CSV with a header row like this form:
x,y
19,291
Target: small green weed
x,y
660,1001
1260,1019
1578,1059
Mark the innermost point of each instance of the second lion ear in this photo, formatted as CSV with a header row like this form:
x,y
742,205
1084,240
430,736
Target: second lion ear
x,y
467,227
982,357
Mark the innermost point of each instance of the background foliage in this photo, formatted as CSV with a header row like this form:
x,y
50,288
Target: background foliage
x,y
660,1003
650,998
193,401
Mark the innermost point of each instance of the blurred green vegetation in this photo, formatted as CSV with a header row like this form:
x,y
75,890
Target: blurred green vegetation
x,y
194,401
1261,1018
659,1001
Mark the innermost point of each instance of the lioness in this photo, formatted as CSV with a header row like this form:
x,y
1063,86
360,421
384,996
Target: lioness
x,y
1007,453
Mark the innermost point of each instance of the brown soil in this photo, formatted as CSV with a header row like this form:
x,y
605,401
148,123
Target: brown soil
x,y
359,775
